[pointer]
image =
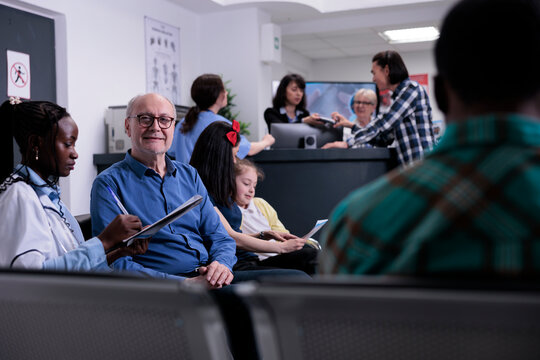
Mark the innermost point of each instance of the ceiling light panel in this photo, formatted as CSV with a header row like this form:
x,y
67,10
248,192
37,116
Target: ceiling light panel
x,y
411,35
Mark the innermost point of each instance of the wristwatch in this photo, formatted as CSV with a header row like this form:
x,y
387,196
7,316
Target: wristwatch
x,y
261,235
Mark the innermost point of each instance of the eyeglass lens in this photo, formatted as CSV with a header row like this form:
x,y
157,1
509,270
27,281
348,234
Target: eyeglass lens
x,y
362,103
164,122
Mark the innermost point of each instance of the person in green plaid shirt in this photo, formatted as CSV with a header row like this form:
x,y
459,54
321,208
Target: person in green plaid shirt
x,y
472,206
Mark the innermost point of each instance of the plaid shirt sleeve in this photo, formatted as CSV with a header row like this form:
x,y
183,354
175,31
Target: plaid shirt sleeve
x,y
409,118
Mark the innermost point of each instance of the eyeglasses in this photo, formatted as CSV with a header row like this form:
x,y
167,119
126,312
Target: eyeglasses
x,y
363,103
147,121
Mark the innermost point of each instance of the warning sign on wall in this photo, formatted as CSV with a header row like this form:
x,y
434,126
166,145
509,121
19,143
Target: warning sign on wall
x,y
18,77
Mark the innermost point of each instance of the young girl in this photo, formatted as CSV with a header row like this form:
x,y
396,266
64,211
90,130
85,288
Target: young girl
x,y
258,216
213,157
38,231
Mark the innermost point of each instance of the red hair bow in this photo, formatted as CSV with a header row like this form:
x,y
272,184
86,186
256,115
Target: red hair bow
x,y
233,135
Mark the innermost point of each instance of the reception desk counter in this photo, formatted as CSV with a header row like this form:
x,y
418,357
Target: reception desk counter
x,y
305,185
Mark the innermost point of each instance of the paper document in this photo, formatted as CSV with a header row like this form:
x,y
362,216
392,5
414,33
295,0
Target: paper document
x,y
312,242
169,218
318,225
309,241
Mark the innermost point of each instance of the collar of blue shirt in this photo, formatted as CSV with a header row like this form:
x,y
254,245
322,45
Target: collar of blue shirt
x,y
140,169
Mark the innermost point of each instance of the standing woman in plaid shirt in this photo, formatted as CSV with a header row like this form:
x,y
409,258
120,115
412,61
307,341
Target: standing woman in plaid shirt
x,y
409,116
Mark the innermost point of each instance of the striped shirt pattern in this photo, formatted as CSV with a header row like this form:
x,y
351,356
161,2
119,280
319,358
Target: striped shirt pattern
x,y
409,118
471,206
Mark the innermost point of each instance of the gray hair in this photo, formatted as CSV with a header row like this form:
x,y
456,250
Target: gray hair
x,y
133,101
370,94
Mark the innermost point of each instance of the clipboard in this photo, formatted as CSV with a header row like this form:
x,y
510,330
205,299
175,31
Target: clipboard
x,y
166,220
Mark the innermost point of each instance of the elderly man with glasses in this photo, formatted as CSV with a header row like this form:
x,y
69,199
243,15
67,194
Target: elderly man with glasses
x,y
148,183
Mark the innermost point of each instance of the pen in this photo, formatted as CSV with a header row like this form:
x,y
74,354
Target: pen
x,y
124,211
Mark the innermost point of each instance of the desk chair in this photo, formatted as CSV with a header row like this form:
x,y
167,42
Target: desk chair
x,y
385,318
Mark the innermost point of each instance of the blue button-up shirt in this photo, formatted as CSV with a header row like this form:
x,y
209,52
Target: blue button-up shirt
x,y
195,239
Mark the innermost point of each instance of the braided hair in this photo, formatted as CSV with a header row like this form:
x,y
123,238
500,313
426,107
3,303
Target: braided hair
x,y
24,121
27,120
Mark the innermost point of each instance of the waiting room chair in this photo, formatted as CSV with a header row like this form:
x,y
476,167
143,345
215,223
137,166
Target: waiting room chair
x,y
82,316
390,318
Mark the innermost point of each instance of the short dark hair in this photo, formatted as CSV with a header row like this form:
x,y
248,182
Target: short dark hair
x,y
212,157
281,92
396,66
483,47
205,91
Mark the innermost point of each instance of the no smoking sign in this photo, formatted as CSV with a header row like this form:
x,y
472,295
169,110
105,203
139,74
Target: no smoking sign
x,y
19,75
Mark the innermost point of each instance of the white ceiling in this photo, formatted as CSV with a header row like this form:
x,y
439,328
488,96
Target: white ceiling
x,y
325,30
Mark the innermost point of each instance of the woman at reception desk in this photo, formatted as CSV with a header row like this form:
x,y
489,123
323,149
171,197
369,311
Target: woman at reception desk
x,y
289,103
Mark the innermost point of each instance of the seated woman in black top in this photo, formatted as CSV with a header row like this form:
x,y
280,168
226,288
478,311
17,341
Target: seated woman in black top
x,y
289,104
213,157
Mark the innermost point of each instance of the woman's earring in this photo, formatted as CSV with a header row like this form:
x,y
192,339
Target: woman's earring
x,y
36,152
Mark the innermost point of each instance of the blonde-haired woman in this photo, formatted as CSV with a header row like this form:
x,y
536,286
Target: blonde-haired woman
x,y
364,105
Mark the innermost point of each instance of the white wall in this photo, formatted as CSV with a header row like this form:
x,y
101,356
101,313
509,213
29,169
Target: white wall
x,y
102,63
292,63
106,66
230,47
359,69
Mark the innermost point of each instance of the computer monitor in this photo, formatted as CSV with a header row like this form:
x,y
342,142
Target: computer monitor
x,y
325,97
303,136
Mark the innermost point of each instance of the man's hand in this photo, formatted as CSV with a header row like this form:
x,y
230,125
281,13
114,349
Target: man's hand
x,y
214,276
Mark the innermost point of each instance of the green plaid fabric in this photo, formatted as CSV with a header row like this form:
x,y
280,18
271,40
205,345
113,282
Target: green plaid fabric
x,y
472,206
